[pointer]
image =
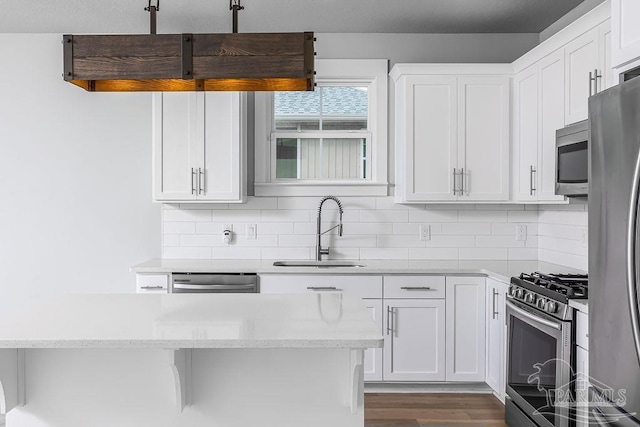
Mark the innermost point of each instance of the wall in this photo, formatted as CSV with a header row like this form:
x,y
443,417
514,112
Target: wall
x,y
577,12
563,235
75,178
374,228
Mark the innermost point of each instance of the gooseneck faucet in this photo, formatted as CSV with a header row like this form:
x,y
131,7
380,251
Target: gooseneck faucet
x,y
319,249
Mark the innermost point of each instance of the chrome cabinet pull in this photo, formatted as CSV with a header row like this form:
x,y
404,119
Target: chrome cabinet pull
x,y
596,78
455,177
389,311
462,182
151,287
495,312
532,188
200,181
591,80
416,288
193,181
322,288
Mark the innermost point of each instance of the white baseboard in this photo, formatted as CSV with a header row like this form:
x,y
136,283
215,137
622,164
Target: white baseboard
x,y
480,388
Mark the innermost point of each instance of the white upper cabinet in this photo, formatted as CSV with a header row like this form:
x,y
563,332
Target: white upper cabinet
x,y
538,112
587,70
452,133
199,147
581,70
625,33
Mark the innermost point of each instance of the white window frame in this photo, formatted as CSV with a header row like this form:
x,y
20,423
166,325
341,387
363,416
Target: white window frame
x,y
372,73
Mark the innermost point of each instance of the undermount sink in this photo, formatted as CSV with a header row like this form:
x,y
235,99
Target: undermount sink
x,y
319,264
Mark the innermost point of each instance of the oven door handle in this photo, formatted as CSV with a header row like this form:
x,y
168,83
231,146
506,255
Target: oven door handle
x,y
186,286
533,317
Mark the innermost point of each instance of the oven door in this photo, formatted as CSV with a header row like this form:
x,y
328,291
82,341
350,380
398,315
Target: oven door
x,y
539,374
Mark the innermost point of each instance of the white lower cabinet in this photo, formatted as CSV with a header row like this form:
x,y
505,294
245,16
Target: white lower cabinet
x,y
414,340
496,337
152,283
465,330
433,326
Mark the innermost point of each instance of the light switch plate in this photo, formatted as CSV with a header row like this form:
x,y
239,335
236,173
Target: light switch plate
x,y
251,231
521,233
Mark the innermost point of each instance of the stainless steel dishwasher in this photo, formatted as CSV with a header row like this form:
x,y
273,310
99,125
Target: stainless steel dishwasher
x,y
210,283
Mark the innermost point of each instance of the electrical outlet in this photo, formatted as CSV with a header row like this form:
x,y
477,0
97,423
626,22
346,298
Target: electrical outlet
x,y
521,233
425,233
251,231
227,227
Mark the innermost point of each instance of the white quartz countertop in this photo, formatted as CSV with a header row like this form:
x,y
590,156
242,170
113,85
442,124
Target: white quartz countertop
x,y
499,270
327,320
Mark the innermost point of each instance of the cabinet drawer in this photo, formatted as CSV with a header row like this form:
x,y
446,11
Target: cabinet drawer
x,y
360,286
152,283
414,287
582,330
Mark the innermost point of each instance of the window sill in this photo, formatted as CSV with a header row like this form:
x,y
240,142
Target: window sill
x,y
321,189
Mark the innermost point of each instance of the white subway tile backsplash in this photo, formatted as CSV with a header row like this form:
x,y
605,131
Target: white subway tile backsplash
x,y
483,253
523,216
482,216
377,228
466,228
384,216
400,241
384,253
192,215
433,253
186,227
170,240
498,242
184,252
434,215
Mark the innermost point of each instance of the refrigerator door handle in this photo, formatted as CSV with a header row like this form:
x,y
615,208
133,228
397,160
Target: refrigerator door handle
x,y
632,237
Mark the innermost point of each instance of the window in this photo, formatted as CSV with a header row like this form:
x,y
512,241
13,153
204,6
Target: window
x,y
331,140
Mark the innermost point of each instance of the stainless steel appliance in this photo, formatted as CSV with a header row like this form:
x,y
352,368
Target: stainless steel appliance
x,y
539,347
208,283
572,164
614,267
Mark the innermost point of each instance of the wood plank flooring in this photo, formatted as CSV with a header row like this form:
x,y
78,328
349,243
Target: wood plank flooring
x,y
432,410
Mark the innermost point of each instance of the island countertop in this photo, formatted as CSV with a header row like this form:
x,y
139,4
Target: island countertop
x,y
190,321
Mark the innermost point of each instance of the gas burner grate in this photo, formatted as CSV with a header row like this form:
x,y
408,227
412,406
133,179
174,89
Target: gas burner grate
x,y
570,285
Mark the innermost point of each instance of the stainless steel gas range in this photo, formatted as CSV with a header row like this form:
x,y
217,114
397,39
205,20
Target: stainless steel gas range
x,y
540,363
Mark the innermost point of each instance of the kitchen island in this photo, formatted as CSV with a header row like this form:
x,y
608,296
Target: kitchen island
x,y
185,360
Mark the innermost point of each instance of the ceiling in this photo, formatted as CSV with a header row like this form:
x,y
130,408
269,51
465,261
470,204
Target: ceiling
x,y
321,16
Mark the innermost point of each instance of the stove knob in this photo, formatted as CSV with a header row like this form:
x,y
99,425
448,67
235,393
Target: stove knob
x,y
512,290
530,298
519,293
552,307
541,303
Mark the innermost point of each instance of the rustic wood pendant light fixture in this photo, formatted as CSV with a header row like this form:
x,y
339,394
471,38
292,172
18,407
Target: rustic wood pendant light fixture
x,y
190,62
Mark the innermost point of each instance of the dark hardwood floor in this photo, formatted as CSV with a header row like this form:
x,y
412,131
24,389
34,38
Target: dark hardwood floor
x,y
432,410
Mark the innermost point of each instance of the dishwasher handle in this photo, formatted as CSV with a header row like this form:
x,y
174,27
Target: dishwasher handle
x,y
213,288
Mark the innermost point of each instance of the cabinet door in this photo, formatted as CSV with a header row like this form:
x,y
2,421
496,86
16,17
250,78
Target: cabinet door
x,y
373,356
551,115
466,339
428,143
626,31
608,78
221,172
581,58
525,119
414,340
175,146
483,135
496,333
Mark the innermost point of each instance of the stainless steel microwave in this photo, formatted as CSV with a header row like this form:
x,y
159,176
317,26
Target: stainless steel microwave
x,y
572,160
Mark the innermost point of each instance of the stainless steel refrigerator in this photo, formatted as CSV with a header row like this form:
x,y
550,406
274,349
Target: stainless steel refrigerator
x,y
614,255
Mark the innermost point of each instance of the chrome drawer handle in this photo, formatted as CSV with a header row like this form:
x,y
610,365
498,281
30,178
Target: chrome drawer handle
x,y
152,287
416,288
